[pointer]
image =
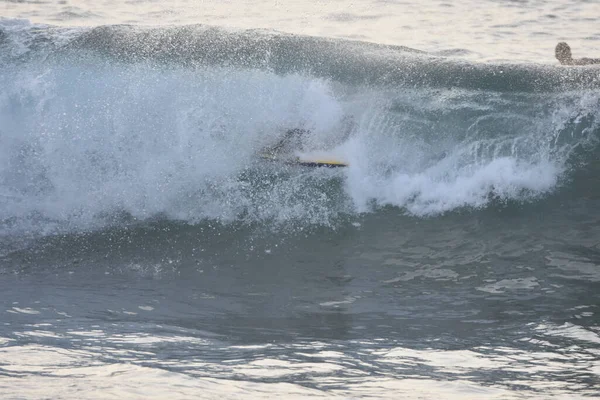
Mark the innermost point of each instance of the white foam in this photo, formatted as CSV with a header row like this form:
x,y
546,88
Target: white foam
x,y
91,142
438,190
82,143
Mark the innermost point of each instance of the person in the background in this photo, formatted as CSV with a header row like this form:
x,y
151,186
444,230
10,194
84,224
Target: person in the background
x,y
564,56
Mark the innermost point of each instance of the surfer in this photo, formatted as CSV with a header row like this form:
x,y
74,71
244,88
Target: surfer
x,y
564,56
285,151
290,142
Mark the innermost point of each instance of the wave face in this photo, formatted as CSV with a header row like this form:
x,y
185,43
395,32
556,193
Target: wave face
x,y
117,124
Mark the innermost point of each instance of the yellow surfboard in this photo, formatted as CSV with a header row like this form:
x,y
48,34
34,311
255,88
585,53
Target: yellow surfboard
x,y
329,163
307,161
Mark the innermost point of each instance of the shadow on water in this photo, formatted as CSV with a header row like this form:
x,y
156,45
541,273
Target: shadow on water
x,y
380,294
452,280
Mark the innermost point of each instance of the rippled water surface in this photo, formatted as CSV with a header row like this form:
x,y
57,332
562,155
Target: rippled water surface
x,y
149,250
524,31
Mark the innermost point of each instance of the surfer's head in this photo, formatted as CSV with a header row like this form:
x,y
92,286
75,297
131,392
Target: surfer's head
x,y
563,53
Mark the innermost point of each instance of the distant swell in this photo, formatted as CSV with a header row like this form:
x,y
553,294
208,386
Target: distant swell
x,y
343,60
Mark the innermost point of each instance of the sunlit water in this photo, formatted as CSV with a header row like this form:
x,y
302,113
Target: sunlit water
x,y
479,30
147,251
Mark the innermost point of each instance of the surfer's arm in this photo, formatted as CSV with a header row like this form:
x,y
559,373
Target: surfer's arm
x,y
287,142
588,61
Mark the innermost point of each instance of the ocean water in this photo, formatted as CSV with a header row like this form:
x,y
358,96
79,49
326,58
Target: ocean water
x,y
148,251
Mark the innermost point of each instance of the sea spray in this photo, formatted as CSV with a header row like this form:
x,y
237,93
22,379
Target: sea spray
x,y
90,137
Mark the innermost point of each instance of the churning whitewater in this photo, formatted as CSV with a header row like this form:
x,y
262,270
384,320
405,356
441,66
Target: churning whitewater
x,y
98,129
150,249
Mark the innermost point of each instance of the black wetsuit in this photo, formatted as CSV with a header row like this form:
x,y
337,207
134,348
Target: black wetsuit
x,y
289,142
581,61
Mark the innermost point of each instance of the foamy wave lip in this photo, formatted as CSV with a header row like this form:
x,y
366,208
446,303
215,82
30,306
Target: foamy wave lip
x,y
434,192
84,142
14,22
80,146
